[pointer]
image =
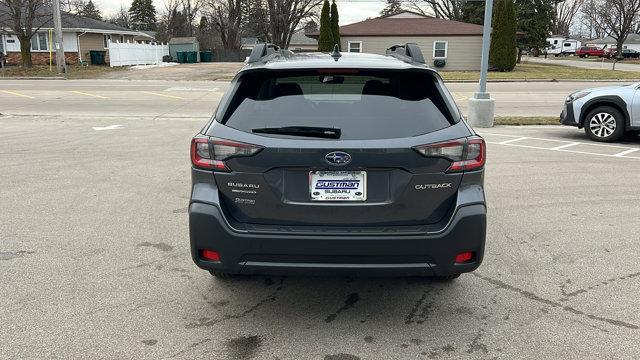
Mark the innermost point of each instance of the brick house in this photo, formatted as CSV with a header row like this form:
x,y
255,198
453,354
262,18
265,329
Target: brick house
x,y
79,36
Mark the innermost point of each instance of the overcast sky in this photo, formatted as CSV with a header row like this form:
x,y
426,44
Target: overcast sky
x,y
350,10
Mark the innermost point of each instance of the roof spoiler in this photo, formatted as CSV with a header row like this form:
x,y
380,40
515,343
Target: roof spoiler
x,y
260,51
409,52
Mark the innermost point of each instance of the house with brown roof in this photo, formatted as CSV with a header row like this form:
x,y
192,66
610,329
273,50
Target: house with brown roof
x,y
445,44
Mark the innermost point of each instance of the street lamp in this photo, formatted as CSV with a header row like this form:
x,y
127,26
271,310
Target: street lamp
x,y
481,105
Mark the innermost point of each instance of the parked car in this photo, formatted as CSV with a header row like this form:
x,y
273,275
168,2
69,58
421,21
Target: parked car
x,y
587,51
605,113
626,53
337,163
630,54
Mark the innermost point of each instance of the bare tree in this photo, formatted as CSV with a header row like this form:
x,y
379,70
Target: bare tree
x,y
589,19
24,18
617,18
565,10
226,17
286,15
121,18
191,9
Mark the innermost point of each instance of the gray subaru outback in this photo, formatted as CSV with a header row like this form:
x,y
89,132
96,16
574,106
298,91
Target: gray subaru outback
x,y
355,164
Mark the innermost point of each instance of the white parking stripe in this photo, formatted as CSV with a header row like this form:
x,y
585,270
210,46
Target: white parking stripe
x,y
623,153
565,151
513,140
565,146
557,140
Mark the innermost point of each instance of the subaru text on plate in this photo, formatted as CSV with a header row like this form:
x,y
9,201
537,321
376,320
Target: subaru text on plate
x,y
337,164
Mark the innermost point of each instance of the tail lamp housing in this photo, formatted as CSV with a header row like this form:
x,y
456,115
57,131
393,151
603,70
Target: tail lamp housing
x,y
210,153
466,154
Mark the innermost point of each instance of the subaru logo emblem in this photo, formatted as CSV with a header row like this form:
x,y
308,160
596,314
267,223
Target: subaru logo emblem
x,y
338,158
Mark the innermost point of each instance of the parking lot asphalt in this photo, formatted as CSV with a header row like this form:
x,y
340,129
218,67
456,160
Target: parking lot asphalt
x,y
160,98
95,263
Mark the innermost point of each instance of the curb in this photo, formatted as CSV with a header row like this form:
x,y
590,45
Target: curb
x,y
34,78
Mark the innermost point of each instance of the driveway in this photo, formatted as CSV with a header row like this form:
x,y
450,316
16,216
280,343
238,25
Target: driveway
x,y
599,65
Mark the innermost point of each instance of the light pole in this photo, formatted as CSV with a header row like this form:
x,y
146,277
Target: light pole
x,y
57,26
481,105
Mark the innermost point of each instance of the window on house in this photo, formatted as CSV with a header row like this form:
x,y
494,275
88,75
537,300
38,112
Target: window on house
x,y
106,39
355,46
555,42
440,49
39,42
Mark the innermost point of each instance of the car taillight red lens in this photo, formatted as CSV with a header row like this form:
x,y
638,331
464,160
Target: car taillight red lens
x,y
466,154
211,153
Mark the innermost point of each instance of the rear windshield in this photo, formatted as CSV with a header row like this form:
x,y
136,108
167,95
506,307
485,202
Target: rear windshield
x,y
362,104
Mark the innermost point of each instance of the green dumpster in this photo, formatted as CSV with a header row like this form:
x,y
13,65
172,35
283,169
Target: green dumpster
x,y
192,56
206,56
181,56
97,57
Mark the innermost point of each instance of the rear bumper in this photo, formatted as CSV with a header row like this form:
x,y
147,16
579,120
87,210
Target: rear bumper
x,y
428,254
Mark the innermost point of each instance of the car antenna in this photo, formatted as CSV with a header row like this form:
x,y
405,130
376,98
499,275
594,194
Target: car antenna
x,y
336,53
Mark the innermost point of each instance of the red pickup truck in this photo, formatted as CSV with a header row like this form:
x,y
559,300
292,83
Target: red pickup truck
x,y
587,51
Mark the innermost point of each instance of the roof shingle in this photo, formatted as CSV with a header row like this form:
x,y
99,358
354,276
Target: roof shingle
x,y
423,26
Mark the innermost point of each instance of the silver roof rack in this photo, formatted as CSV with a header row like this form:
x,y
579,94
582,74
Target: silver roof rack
x,y
409,52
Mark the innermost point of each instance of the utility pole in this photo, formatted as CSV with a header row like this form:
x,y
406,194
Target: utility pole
x,y
481,105
57,26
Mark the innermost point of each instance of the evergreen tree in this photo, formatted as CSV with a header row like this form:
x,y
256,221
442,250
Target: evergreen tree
x,y
255,19
91,11
335,27
535,19
502,53
143,15
393,7
326,36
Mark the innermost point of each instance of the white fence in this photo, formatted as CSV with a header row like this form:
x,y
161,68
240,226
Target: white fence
x,y
122,54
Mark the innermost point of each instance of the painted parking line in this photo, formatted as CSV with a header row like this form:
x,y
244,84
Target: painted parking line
x,y
16,94
567,146
163,95
626,152
91,95
513,140
458,97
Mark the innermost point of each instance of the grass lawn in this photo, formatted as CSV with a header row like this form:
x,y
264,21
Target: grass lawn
x,y
530,71
527,120
75,71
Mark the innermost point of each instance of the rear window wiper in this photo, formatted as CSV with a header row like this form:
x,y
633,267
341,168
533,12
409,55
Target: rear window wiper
x,y
310,131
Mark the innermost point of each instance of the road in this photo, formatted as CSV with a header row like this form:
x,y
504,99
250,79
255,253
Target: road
x,y
94,257
199,98
585,64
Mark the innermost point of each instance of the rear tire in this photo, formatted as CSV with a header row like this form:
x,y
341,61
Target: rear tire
x,y
446,278
221,275
604,124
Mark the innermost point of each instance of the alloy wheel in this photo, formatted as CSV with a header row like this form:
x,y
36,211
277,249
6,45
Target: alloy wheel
x,y
602,125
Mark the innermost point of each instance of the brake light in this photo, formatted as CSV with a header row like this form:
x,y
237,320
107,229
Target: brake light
x,y
466,154
211,153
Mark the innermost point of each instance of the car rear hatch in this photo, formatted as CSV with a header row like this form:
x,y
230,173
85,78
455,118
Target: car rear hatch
x,y
335,149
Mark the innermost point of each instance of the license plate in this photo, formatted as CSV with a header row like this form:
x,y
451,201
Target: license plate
x,y
338,185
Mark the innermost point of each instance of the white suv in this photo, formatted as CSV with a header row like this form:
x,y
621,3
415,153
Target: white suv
x,y
605,113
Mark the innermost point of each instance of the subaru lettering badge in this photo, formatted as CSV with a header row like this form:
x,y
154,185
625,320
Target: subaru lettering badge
x,y
338,158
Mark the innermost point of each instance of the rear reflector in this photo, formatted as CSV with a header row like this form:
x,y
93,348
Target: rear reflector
x,y
464,257
465,154
210,255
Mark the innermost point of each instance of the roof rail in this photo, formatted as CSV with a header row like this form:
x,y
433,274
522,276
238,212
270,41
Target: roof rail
x,y
409,52
264,49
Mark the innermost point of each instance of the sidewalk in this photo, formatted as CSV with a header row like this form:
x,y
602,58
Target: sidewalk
x,y
600,65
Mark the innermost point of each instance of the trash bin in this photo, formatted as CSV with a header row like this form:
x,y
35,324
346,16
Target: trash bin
x,y
191,56
97,57
181,56
206,56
